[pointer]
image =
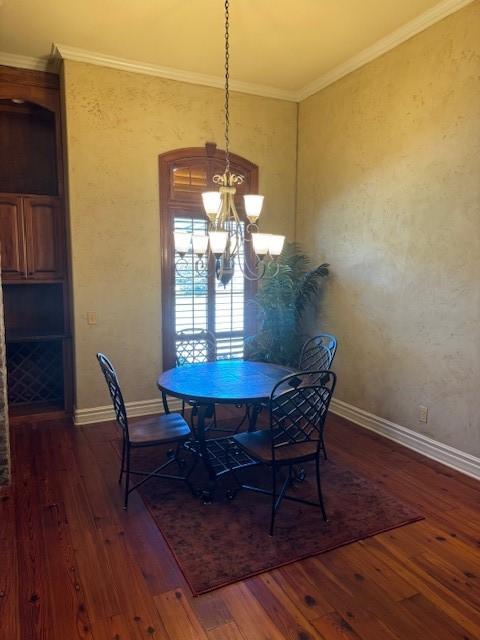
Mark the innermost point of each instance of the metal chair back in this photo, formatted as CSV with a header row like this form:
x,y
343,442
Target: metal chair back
x,y
318,353
195,345
113,385
298,408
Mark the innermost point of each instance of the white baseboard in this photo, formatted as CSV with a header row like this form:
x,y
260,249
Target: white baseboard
x,y
451,457
443,453
138,408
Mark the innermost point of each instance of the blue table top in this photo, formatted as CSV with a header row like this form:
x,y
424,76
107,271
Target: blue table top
x,y
224,381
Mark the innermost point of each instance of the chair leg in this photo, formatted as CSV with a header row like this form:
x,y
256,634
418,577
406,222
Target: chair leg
x,y
180,461
123,461
319,487
127,477
187,477
231,493
274,498
193,413
324,449
166,408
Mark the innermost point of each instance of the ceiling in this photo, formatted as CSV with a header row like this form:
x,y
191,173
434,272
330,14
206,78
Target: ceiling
x,y
286,44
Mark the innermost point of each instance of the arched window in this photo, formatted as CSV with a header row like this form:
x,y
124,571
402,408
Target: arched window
x,y
192,300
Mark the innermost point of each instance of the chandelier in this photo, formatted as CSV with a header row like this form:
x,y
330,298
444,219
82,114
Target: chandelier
x,y
229,240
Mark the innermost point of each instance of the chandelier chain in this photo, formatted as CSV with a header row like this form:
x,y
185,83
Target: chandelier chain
x,y
227,93
228,233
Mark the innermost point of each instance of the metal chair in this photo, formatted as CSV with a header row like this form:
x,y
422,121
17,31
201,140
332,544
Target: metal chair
x,y
318,353
298,409
194,345
148,432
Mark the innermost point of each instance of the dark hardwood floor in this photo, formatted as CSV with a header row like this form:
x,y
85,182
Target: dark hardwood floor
x,y
74,565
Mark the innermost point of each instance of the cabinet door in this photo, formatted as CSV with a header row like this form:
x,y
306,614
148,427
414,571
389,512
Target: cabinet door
x,y
12,239
44,238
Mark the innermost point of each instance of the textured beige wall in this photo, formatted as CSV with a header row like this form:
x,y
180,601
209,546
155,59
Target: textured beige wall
x,y
389,194
117,124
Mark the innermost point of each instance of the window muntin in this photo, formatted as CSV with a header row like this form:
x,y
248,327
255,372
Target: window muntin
x,y
223,313
191,288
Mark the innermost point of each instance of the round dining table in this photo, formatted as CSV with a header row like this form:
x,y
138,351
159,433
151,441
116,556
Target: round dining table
x,y
234,382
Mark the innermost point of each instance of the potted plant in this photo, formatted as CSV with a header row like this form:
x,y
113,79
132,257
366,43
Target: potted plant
x,y
290,287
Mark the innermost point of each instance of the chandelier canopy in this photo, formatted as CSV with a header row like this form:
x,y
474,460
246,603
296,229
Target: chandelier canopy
x,y
227,234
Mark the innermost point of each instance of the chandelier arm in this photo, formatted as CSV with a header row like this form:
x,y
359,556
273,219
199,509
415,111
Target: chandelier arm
x,y
251,275
235,249
223,215
277,269
200,264
181,261
235,213
238,231
201,267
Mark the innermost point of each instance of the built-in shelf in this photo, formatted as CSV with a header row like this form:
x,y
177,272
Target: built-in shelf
x,y
34,310
34,372
35,282
28,162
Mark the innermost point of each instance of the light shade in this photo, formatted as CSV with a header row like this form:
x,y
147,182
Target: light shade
x,y
200,244
261,243
182,242
253,206
276,244
218,241
211,202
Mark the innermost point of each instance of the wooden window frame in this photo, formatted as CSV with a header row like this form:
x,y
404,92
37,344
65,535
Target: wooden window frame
x,y
213,159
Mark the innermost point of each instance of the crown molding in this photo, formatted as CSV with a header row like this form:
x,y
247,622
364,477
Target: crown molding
x,y
397,37
403,33
24,62
64,52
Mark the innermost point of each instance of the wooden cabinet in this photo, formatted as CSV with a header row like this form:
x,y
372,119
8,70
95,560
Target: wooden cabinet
x,y
33,246
32,238
44,238
12,239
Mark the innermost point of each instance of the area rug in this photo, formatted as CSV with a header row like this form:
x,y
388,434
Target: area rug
x,y
227,541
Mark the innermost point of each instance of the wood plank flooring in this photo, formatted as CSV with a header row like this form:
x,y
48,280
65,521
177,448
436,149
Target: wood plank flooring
x,y
74,565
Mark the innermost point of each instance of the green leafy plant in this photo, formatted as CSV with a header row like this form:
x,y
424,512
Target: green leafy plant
x,y
282,301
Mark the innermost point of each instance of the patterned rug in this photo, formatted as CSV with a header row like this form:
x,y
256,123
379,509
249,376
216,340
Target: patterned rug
x,y
227,541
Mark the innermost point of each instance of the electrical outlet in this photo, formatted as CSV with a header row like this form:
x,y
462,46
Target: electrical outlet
x,y
91,317
422,413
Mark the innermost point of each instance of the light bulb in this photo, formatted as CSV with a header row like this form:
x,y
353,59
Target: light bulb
x,y
253,207
182,242
261,243
211,202
218,242
276,244
200,244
